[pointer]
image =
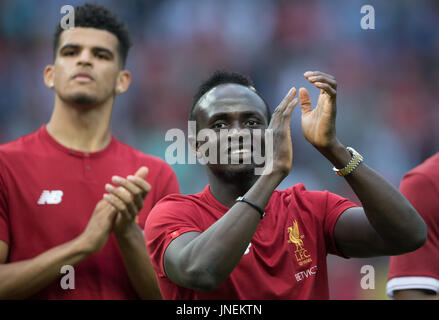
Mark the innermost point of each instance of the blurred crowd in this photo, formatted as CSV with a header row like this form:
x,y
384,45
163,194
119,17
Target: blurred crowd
x,y
387,104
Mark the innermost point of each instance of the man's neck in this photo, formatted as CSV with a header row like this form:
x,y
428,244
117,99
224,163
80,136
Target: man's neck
x,y
81,128
227,190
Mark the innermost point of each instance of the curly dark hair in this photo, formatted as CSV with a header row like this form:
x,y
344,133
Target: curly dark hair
x,y
96,16
223,77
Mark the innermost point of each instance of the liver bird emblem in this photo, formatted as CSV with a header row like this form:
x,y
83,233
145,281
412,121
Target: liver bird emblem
x,y
294,235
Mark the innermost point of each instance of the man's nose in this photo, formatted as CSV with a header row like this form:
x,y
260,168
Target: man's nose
x,y
233,131
236,128
238,132
85,58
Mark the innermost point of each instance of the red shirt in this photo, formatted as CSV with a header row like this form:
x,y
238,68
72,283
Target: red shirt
x,y
287,255
47,195
420,269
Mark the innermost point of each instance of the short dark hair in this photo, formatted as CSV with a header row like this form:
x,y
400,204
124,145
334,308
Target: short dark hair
x,y
95,16
224,77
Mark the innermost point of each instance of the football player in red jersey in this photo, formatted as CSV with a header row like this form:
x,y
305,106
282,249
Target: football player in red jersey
x,y
415,275
241,238
53,212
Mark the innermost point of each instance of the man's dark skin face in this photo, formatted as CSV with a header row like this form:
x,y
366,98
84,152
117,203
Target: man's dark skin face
x,y
231,107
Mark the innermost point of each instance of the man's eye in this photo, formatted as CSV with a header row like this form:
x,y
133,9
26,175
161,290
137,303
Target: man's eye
x,y
69,53
252,123
219,125
102,56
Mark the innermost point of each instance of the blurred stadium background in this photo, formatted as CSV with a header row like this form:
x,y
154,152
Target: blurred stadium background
x,y
388,93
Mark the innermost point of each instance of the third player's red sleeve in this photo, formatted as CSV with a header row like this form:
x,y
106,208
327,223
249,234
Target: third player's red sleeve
x,y
424,262
4,217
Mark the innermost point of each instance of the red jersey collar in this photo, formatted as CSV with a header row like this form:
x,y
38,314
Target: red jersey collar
x,y
46,136
210,199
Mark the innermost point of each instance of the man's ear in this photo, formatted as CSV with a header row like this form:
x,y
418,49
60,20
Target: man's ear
x,y
123,81
49,76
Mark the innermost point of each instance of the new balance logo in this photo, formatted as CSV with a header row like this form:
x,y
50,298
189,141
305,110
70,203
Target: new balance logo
x,y
50,197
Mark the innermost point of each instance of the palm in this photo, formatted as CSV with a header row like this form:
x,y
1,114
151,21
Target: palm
x,y
318,125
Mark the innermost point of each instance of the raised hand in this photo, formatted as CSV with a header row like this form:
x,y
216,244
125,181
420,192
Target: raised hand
x,y
99,227
318,124
128,198
280,128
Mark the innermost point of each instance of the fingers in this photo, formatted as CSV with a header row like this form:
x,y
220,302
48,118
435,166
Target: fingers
x,y
284,110
285,101
289,111
122,200
138,189
305,100
142,172
326,88
129,196
309,74
104,206
140,183
322,81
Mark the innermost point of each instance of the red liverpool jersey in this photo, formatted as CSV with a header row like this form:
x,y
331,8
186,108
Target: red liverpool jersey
x,y
286,258
47,196
420,269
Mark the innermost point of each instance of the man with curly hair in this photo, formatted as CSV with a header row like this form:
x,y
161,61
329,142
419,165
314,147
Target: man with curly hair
x,y
54,215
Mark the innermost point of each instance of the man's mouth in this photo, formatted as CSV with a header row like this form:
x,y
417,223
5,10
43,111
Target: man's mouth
x,y
240,151
83,77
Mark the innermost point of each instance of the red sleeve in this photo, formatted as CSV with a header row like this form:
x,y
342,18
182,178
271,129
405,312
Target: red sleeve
x,y
170,218
4,217
327,208
423,194
335,206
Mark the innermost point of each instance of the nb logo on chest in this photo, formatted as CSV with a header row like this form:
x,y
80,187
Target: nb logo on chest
x,y
50,197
